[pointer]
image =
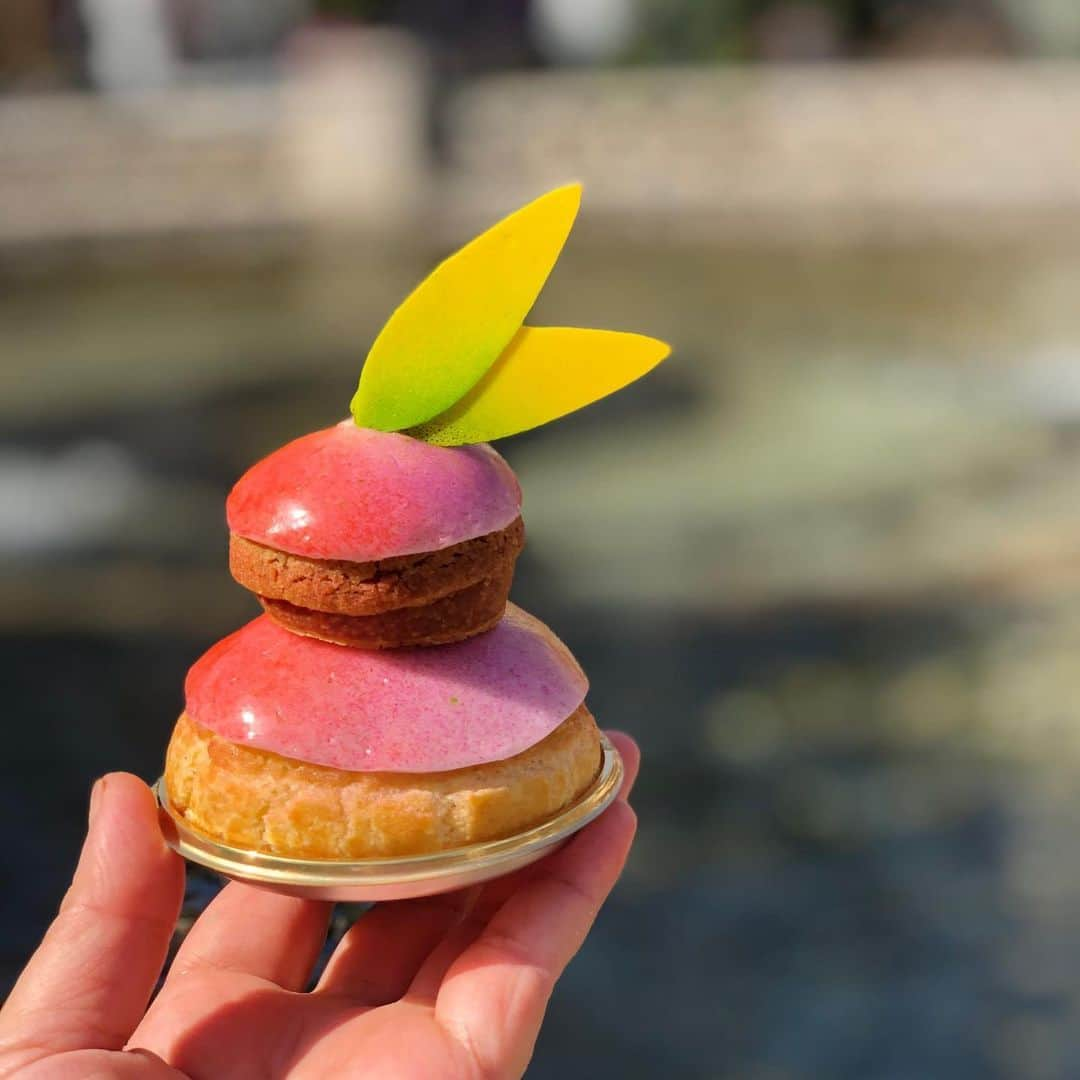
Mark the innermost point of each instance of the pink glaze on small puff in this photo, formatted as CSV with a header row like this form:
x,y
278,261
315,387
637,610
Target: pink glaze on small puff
x,y
361,495
400,710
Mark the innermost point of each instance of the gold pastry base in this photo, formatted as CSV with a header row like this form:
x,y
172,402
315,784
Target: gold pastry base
x,y
400,878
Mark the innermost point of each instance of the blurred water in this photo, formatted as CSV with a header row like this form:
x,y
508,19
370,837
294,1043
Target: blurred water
x,y
823,565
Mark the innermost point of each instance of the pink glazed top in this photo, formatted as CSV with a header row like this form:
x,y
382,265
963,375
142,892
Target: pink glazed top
x,y
361,495
399,710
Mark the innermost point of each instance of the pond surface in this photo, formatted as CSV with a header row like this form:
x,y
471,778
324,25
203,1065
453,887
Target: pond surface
x,y
824,565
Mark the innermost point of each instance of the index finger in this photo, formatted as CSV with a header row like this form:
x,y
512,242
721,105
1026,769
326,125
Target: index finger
x,y
91,977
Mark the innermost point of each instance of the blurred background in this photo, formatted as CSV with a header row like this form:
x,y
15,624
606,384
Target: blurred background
x,y
824,564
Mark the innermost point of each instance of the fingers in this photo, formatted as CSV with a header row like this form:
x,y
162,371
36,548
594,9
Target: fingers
x,y
496,892
425,986
88,983
255,932
494,994
379,956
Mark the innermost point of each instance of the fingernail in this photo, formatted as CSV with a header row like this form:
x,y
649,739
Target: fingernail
x,y
96,793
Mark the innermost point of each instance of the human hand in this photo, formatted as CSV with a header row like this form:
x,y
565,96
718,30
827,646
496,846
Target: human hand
x,y
447,986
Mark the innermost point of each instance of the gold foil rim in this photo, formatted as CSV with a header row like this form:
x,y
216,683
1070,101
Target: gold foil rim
x,y
276,870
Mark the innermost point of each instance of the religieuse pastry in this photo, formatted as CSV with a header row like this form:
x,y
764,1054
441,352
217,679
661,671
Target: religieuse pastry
x,y
390,702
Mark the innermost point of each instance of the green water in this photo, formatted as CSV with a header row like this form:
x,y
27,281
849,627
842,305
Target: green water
x,y
824,564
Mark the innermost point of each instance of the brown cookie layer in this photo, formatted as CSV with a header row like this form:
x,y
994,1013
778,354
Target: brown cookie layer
x,y
450,618
432,598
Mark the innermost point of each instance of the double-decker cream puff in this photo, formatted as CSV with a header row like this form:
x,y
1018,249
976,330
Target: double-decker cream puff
x,y
390,702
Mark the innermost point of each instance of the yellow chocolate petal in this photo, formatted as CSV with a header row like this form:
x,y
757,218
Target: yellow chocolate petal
x,y
453,326
545,372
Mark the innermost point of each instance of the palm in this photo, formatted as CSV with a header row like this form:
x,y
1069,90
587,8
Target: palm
x,y
223,1024
450,986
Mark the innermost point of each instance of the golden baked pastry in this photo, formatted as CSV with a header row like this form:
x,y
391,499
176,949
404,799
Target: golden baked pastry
x,y
253,799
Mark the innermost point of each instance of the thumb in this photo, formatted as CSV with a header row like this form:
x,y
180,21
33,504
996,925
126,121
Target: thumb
x,y
88,984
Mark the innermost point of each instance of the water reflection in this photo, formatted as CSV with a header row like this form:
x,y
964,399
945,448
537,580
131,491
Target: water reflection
x,y
823,565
